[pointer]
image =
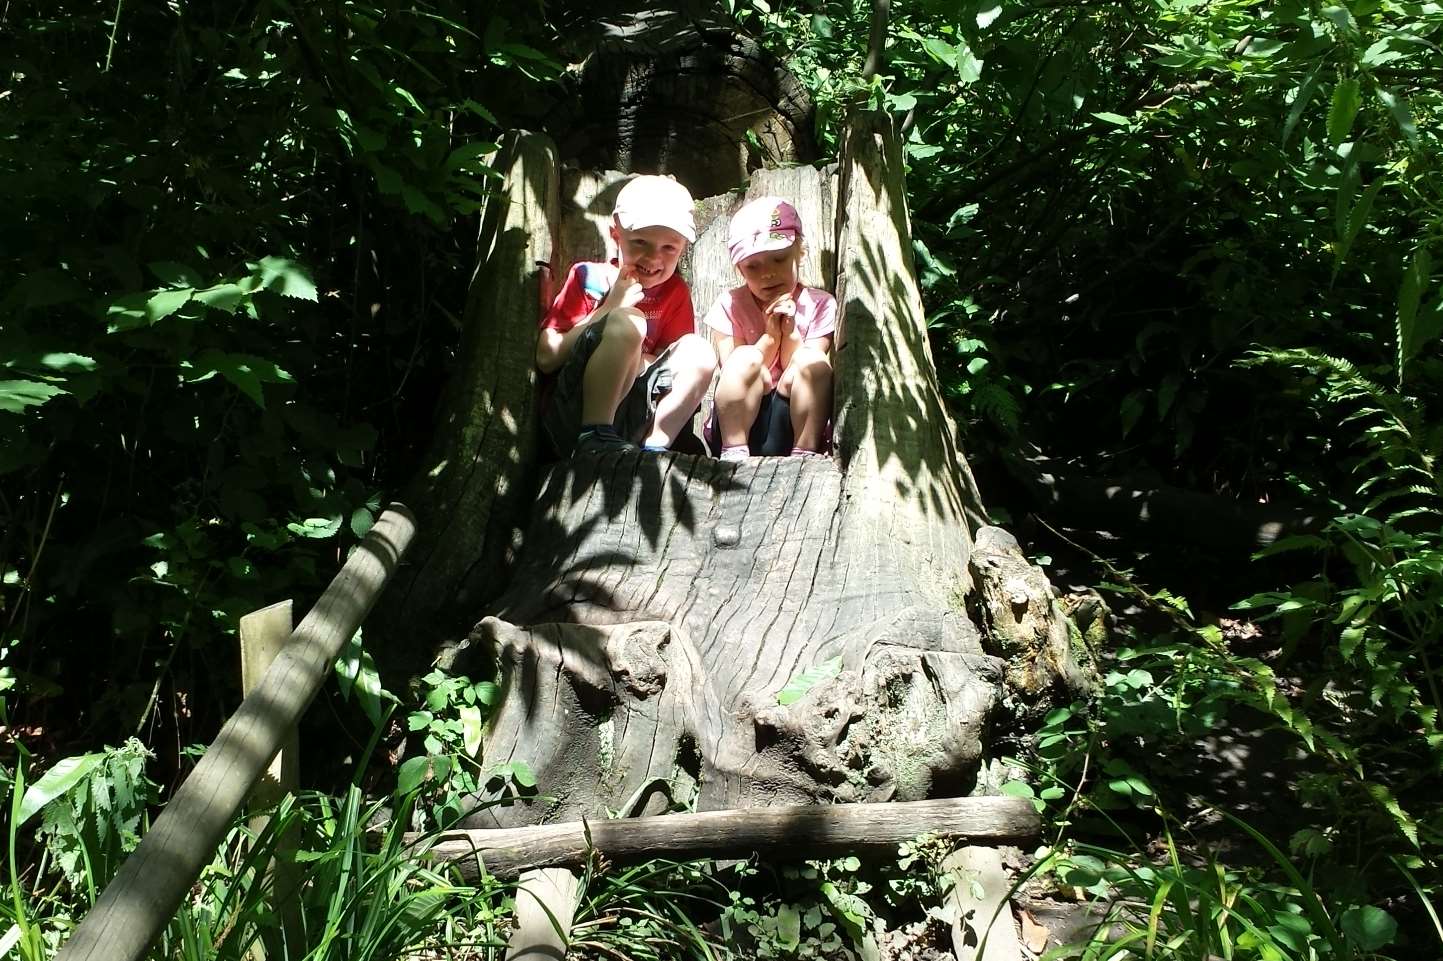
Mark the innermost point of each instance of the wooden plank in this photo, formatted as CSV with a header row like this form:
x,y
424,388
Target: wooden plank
x,y
982,929
545,907
263,635
133,909
798,831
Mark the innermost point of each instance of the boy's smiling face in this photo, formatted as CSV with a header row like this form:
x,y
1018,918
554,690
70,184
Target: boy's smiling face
x,y
652,251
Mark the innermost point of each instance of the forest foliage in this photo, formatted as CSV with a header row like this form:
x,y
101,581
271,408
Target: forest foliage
x,y
1190,243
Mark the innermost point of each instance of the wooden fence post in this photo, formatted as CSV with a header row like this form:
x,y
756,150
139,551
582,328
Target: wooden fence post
x,y
263,635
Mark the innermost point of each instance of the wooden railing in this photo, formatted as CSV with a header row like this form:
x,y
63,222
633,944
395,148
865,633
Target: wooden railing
x,y
146,892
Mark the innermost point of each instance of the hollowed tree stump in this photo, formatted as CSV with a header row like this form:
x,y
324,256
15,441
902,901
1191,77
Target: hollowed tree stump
x,y
679,630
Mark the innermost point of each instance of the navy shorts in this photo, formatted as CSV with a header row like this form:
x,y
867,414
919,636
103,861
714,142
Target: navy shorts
x,y
561,415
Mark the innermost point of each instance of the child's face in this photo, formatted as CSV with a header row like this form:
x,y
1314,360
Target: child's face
x,y
653,251
772,273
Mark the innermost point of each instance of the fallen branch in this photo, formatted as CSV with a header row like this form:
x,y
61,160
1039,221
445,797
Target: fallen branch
x,y
801,831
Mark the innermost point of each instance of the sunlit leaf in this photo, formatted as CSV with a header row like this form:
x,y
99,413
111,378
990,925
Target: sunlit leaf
x,y
54,783
16,395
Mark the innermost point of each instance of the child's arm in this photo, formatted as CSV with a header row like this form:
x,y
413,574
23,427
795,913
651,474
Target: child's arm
x,y
553,346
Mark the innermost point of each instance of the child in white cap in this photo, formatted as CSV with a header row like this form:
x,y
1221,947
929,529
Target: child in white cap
x,y
620,336
774,340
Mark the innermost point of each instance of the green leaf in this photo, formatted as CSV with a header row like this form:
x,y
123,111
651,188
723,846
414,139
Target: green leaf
x,y
245,371
65,361
285,277
1113,118
1357,218
1347,98
361,521
798,686
16,395
1416,278
1368,927
986,17
1402,115
222,297
471,726
822,26
521,773
969,68
1300,102
316,527
411,774
57,781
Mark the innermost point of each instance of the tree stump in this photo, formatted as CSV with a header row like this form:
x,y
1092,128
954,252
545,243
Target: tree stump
x,y
682,631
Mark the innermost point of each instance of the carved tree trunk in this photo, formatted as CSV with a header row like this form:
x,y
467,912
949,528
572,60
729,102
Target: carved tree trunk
x,y
680,630
478,478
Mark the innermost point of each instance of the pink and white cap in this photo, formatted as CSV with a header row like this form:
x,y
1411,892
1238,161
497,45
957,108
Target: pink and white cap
x,y
655,201
767,223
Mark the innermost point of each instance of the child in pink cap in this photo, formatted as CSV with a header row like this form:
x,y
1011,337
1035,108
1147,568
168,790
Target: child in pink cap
x,y
774,342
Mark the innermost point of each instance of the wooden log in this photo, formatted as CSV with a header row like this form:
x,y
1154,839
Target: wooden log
x,y
133,909
545,907
798,831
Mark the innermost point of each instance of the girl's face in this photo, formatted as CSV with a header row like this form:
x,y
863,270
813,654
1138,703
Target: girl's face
x,y
772,273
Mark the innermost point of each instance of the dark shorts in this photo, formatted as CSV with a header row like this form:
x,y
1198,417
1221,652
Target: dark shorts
x,y
771,433
561,415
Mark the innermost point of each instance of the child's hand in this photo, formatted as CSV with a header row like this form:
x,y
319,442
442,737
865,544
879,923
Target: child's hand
x,y
625,290
782,316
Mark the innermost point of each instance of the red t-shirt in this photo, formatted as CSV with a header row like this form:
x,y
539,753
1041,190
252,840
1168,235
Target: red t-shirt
x,y
667,306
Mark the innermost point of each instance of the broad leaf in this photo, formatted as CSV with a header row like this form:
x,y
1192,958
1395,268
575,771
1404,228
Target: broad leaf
x,y
1369,927
411,774
1347,98
63,776
285,277
16,395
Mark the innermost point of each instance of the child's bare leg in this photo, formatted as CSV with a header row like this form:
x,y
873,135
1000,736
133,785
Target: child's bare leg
x,y
692,363
808,384
613,365
739,395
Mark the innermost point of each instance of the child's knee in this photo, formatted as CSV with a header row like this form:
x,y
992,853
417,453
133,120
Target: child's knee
x,y
626,326
694,355
744,363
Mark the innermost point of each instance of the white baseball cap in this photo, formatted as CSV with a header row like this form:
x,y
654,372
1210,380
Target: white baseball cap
x,y
654,201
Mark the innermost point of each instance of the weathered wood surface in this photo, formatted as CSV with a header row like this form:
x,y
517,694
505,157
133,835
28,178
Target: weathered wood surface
x,y
660,91
662,603
545,908
263,635
894,435
702,588
142,898
983,928
780,833
478,477
1020,612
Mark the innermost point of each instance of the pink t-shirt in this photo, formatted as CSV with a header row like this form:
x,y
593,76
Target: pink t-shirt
x,y
736,314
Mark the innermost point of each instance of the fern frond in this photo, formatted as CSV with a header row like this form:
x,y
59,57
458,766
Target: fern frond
x,y
997,404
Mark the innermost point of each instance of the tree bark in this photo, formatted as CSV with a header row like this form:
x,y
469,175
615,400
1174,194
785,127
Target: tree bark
x,y
777,832
478,478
